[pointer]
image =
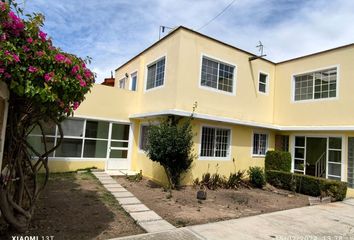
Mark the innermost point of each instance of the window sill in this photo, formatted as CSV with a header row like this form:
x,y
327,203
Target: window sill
x,y
233,93
258,156
214,158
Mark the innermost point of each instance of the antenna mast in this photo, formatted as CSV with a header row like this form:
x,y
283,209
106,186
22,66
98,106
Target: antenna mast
x,y
260,47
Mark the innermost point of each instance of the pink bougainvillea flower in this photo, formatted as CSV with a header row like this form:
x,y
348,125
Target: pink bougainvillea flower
x,y
40,53
16,58
2,70
76,105
88,73
59,57
32,69
7,75
3,37
75,69
25,48
83,65
68,61
29,40
82,83
42,36
2,6
48,76
7,53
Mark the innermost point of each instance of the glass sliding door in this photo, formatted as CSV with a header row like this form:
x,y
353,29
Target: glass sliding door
x,y
351,162
300,155
334,158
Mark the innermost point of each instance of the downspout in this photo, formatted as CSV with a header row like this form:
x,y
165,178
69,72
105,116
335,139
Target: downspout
x,y
5,95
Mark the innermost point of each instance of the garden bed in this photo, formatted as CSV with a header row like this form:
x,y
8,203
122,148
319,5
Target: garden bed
x,y
76,206
181,208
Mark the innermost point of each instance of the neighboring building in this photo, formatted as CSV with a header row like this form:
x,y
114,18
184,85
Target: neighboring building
x,y
245,108
109,81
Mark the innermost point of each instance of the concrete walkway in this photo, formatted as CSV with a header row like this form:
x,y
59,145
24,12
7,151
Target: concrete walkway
x,y
145,218
329,221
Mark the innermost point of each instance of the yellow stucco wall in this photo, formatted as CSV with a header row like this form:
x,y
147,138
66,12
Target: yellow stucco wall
x,y
337,111
57,165
240,156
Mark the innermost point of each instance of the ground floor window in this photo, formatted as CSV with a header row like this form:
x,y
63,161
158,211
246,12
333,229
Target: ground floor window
x,y
260,144
334,158
215,142
143,137
351,162
299,155
84,138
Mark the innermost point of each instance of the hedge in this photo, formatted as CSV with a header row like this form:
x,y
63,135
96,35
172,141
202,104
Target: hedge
x,y
278,160
308,185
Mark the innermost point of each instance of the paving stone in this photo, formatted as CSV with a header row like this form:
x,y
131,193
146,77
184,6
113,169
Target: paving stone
x,y
176,234
145,216
122,194
156,226
116,189
107,182
110,185
128,200
135,208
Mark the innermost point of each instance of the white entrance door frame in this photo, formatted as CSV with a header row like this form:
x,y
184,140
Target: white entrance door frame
x,y
320,135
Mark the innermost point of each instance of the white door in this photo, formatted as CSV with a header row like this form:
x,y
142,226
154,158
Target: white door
x,y
118,147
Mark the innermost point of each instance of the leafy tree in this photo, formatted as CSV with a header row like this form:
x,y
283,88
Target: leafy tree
x,y
46,85
171,145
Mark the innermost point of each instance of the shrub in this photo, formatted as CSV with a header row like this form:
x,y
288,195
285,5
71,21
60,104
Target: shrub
x,y
278,160
256,176
235,179
171,144
308,185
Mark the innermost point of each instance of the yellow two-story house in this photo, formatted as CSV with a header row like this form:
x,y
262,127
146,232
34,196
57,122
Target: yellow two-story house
x,y
245,106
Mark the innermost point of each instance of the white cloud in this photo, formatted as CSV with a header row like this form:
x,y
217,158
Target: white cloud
x,y
112,32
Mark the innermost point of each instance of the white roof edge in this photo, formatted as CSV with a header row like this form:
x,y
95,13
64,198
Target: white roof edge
x,y
242,122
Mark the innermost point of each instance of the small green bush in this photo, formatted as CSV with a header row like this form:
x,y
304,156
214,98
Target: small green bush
x,y
235,179
256,176
278,160
308,185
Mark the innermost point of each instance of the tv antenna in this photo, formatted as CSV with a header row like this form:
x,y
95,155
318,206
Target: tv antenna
x,y
260,47
162,29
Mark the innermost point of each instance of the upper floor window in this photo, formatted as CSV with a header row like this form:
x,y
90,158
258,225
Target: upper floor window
x,y
263,82
133,81
217,75
156,74
316,85
122,83
215,142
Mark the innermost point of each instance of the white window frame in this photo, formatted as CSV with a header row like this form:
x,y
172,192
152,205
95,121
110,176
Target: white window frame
x,y
228,157
292,84
146,74
234,77
135,73
266,83
252,144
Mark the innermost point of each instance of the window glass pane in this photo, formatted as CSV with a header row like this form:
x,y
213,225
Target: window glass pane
x,y
119,144
151,75
208,142
260,144
222,142
225,77
69,148
120,132
351,162
160,72
38,144
335,143
334,169
48,128
299,153
324,82
118,154
300,141
299,164
262,87
95,148
209,73
97,129
73,127
134,81
335,156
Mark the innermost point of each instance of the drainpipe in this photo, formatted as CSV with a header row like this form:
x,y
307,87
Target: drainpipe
x,y
4,93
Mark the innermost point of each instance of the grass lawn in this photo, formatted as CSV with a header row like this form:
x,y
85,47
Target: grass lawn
x,y
77,206
182,207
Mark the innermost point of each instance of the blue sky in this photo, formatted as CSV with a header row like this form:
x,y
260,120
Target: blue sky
x,y
113,31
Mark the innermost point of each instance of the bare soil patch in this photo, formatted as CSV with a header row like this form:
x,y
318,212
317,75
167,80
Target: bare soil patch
x,y
77,206
182,208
